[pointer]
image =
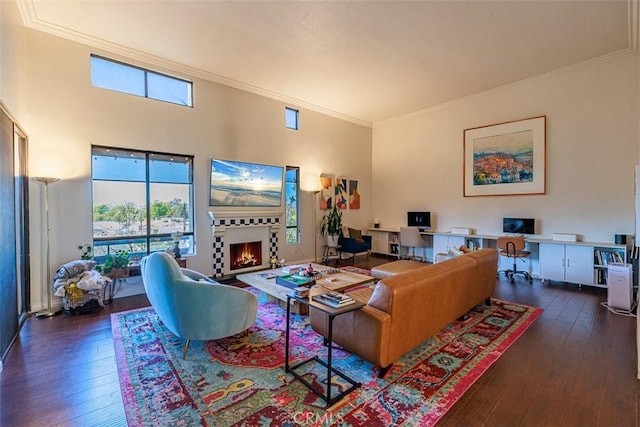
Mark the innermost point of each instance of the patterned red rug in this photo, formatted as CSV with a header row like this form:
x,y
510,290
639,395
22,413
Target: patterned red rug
x,y
240,380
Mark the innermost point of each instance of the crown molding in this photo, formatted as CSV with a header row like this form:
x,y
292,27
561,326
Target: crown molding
x,y
31,20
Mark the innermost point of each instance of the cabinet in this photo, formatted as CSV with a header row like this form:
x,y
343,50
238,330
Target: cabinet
x,y
566,263
384,242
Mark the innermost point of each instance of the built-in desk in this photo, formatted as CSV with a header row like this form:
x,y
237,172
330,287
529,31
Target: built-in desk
x,y
584,263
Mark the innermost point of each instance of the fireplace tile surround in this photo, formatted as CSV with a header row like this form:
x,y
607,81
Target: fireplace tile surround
x,y
234,226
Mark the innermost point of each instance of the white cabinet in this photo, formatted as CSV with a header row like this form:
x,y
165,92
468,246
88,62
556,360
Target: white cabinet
x,y
566,263
384,242
442,243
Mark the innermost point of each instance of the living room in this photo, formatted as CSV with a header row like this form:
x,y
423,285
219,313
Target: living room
x,y
409,162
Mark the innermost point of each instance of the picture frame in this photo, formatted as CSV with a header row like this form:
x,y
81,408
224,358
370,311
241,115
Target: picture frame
x,y
505,159
354,194
341,195
326,192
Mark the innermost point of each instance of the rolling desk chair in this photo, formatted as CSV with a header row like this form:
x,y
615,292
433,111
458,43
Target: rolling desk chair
x,y
513,247
410,237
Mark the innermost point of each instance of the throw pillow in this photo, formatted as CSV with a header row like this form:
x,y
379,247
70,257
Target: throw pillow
x,y
356,235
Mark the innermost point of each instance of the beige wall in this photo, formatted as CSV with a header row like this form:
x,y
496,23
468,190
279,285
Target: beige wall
x,y
592,146
64,115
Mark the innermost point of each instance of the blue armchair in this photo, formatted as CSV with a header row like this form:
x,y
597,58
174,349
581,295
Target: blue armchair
x,y
191,305
355,246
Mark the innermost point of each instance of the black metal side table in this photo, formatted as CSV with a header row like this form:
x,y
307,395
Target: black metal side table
x,y
331,313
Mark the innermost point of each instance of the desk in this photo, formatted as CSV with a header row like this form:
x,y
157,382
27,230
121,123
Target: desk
x,y
579,262
332,313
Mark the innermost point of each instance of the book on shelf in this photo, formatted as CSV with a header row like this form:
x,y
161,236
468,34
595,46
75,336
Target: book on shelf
x,y
333,299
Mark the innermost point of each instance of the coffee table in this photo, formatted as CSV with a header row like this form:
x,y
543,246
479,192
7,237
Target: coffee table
x,y
339,281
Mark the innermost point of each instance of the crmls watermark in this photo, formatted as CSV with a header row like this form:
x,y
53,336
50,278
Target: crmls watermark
x,y
308,417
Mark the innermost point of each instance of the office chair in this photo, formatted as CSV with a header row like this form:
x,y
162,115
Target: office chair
x,y
513,247
410,237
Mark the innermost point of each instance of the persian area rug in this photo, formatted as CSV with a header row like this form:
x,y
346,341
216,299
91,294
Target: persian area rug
x,y
241,381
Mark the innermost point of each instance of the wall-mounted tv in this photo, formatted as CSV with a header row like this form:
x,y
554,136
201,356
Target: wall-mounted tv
x,y
419,219
245,184
519,225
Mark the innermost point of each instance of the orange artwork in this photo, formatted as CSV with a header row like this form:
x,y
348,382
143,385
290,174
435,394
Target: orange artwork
x,y
354,194
326,192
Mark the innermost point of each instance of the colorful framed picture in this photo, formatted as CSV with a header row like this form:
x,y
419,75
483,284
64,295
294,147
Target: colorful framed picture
x,y
354,194
326,192
505,158
341,193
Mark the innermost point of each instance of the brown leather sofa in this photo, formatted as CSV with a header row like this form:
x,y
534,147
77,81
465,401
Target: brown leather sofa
x,y
404,310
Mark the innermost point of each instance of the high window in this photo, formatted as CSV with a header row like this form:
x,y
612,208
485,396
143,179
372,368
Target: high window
x,y
291,206
291,117
141,201
120,77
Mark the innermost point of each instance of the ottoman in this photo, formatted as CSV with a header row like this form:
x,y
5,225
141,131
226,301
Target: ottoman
x,y
395,267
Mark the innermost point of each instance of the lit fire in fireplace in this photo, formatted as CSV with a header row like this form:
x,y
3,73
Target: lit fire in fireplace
x,y
244,255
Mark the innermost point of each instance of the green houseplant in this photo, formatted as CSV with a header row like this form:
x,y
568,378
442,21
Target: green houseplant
x,y
116,266
331,225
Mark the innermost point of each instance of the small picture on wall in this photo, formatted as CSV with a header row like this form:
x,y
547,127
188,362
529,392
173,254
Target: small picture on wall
x,y
326,192
354,194
341,193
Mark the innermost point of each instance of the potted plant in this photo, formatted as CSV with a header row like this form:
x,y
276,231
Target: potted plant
x,y
116,266
331,226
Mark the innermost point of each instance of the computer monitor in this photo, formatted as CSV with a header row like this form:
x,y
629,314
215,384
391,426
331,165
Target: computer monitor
x,y
421,220
519,225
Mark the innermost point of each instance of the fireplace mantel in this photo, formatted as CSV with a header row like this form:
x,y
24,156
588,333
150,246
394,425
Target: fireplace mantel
x,y
226,227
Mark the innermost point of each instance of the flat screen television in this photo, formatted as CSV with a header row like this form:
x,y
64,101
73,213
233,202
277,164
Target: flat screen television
x,y
519,225
419,219
236,183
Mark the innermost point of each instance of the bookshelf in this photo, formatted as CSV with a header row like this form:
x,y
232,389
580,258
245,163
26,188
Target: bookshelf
x,y
602,258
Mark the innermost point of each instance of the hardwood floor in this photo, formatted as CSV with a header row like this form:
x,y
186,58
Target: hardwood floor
x,y
576,366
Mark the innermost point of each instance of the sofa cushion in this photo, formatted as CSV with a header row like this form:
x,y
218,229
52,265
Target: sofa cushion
x,y
395,267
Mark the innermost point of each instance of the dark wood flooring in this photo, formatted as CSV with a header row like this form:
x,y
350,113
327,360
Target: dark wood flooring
x,y
576,366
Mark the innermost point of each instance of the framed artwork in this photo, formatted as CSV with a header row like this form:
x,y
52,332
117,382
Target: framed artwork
x,y
354,194
505,158
326,192
341,193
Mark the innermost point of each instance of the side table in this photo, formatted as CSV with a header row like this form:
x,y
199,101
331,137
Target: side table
x,y
331,252
331,313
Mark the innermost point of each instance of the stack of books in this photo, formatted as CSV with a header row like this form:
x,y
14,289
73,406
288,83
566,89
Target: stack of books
x,y
334,299
301,292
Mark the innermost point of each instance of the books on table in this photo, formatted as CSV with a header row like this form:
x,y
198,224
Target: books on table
x,y
333,299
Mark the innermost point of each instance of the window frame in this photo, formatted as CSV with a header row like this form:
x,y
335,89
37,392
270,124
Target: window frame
x,y
295,227
296,125
148,237
146,72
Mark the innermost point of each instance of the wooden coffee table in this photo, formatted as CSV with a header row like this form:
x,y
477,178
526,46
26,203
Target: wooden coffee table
x,y
340,282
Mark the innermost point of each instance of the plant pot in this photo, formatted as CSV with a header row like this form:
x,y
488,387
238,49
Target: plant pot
x,y
332,241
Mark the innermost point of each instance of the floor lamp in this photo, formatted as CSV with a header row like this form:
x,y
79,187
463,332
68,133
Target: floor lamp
x,y
46,181
314,207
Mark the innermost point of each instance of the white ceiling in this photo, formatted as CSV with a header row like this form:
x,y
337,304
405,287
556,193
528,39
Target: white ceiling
x,y
363,61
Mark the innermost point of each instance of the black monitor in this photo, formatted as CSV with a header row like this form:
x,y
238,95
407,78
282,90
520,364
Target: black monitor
x,y
519,225
419,219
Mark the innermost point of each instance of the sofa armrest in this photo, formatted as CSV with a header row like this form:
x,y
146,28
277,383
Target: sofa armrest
x,y
365,332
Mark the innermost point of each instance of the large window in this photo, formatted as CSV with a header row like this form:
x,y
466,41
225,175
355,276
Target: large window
x,y
120,77
141,200
291,205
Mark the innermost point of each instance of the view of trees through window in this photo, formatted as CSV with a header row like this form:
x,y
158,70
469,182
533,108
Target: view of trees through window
x,y
141,201
291,204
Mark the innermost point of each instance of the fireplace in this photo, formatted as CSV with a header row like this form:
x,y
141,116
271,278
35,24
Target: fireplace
x,y
234,230
245,255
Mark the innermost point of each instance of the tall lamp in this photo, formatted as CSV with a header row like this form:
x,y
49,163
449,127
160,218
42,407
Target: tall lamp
x,y
46,181
314,207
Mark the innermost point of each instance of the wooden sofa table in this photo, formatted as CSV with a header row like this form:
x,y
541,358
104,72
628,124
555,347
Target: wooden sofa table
x,y
330,279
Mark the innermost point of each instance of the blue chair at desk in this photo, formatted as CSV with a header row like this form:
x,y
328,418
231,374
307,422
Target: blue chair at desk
x,y
514,247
